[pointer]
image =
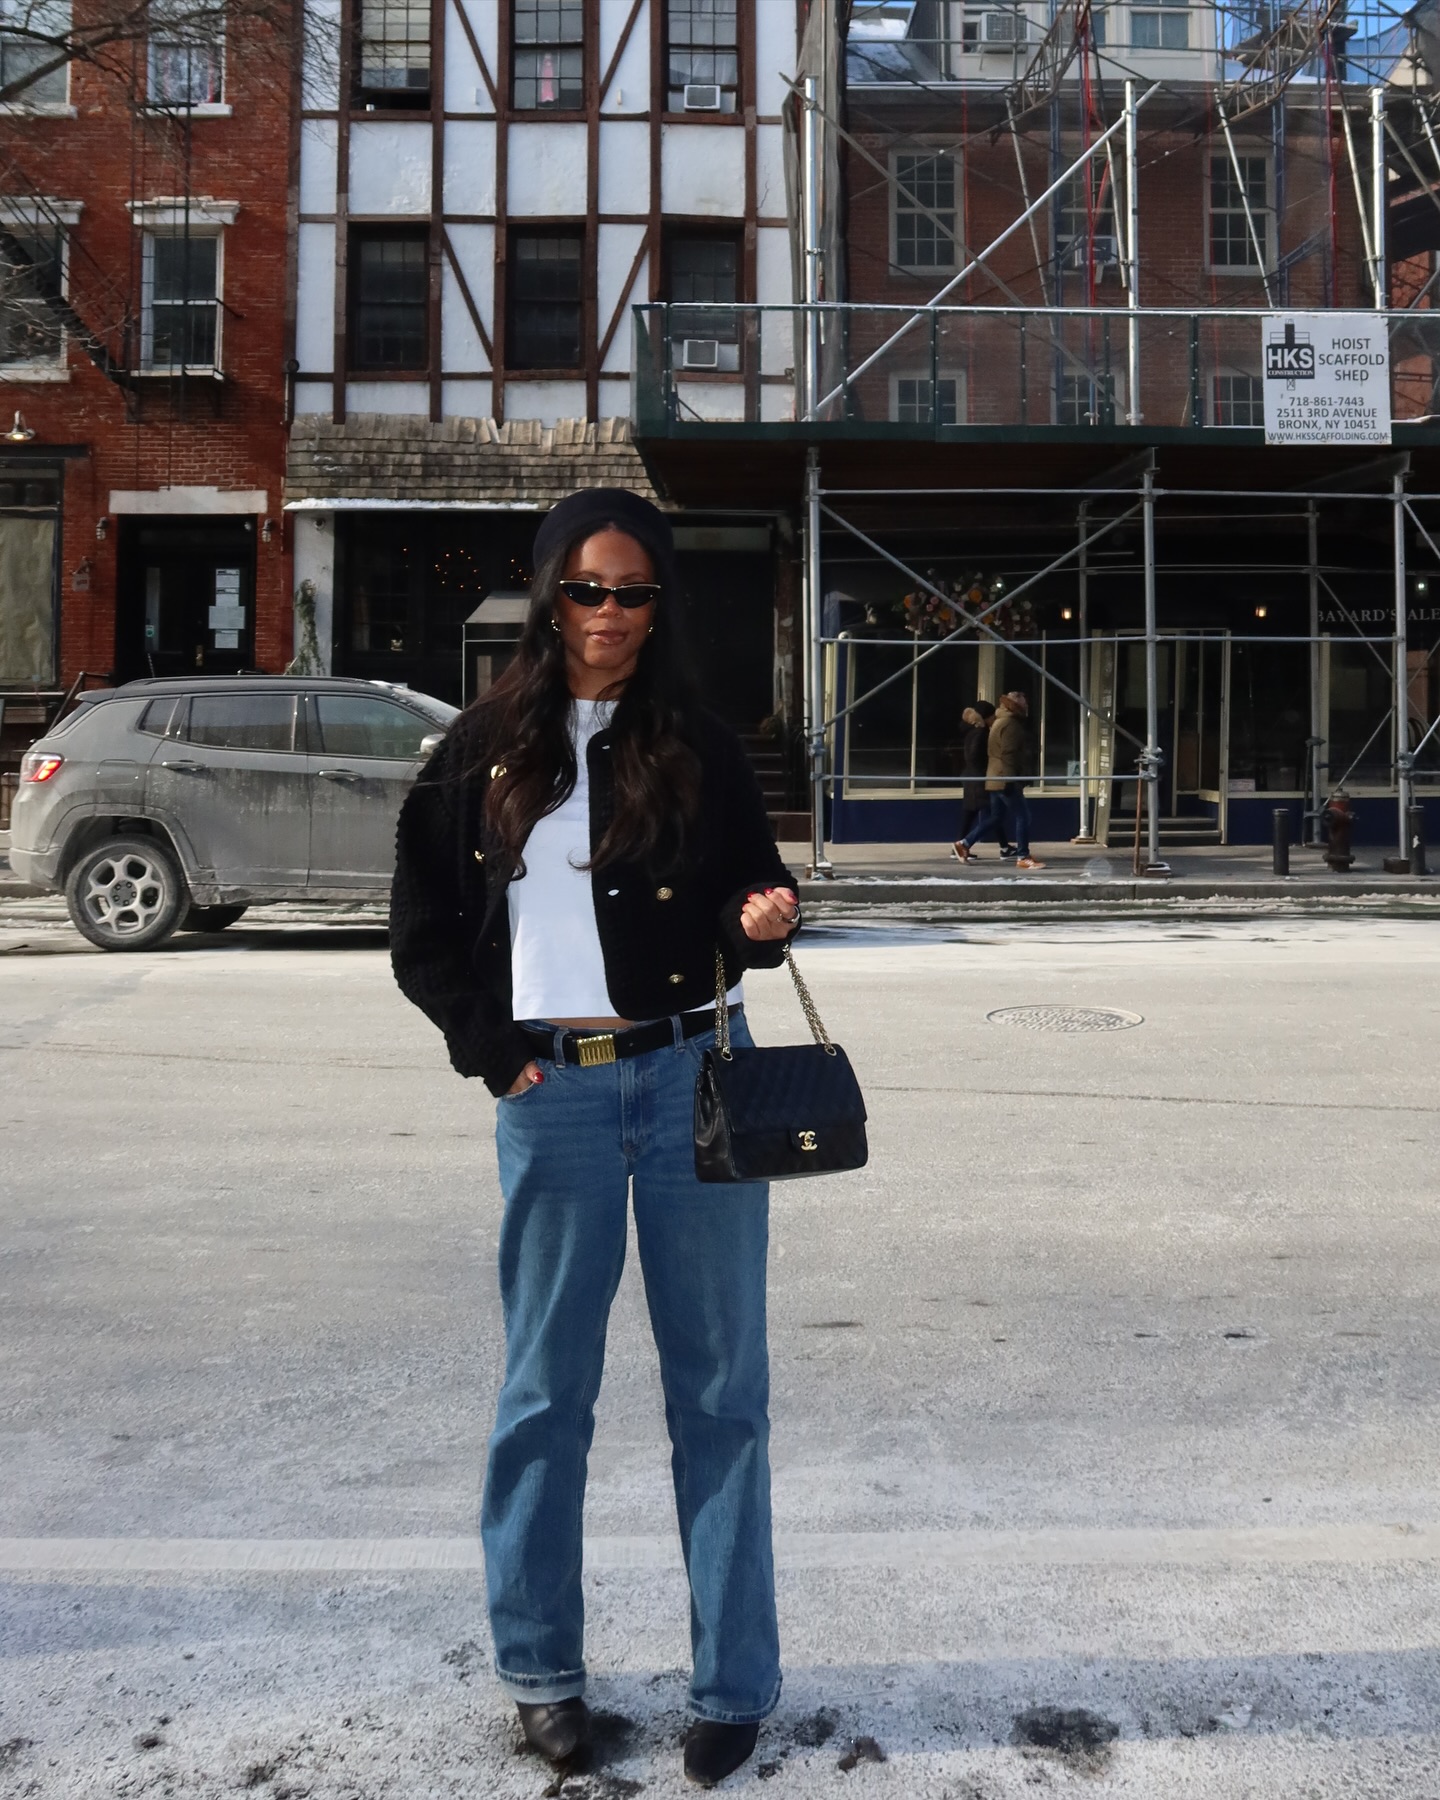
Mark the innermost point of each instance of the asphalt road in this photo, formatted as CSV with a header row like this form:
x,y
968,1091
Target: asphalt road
x,y
1105,1424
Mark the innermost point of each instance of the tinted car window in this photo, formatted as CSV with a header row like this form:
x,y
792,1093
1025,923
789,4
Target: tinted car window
x,y
159,716
242,721
356,725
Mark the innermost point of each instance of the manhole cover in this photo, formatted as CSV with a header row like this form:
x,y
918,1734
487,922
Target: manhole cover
x,y
1066,1018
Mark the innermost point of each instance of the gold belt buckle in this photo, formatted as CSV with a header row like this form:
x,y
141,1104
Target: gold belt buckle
x,y
593,1051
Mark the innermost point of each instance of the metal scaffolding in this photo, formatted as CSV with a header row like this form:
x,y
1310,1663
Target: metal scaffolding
x,y
1132,491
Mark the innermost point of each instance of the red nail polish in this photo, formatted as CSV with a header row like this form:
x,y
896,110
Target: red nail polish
x,y
537,1078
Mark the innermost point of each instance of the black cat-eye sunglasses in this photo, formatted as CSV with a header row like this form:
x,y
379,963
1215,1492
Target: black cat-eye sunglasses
x,y
593,593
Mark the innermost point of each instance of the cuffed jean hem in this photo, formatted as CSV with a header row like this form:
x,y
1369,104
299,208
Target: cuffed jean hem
x,y
543,1690
713,1717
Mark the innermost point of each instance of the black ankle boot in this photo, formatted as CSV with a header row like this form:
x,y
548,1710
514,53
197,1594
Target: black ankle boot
x,y
713,1751
558,1729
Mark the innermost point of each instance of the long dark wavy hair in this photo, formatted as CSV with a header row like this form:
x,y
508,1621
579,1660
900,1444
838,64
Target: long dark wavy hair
x,y
524,722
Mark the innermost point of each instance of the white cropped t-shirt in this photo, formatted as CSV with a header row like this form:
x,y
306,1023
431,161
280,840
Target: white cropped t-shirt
x,y
557,968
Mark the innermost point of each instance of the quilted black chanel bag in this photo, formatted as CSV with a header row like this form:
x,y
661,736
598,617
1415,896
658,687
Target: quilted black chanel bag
x,y
773,1114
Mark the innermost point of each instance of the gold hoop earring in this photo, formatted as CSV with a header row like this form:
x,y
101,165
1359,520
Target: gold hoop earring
x,y
649,631
554,624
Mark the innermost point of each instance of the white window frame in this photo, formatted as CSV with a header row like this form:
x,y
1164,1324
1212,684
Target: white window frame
x,y
32,216
1063,244
1160,10
1217,371
201,109
148,365
954,376
925,152
48,109
1251,270
1068,372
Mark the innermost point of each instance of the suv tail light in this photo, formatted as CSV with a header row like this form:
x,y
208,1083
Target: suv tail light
x,y
38,766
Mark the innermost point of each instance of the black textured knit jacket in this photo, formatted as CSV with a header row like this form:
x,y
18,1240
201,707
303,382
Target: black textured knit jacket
x,y
450,919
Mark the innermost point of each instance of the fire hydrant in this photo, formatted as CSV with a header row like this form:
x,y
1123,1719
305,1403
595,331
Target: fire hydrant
x,y
1338,819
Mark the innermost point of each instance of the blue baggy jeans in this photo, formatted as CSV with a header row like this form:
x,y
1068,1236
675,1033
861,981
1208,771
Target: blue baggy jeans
x,y
570,1151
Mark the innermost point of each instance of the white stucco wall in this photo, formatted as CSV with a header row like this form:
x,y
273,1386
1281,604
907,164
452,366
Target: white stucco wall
x,y
315,563
770,171
630,90
393,397
547,401
467,399
469,166
703,170
624,168
618,244
547,171
474,247
317,165
465,89
389,167
775,49
315,299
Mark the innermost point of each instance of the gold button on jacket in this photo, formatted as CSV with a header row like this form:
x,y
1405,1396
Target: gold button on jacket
x,y
664,893
675,980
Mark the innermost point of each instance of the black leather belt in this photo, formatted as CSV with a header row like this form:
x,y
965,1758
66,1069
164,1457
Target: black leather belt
x,y
591,1048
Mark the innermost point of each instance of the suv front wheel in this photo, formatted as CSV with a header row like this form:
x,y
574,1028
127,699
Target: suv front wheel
x,y
126,894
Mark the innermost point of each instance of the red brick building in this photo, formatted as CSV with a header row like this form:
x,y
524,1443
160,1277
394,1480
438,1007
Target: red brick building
x,y
145,229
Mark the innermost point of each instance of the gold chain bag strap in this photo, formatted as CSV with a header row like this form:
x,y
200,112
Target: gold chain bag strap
x,y
775,1113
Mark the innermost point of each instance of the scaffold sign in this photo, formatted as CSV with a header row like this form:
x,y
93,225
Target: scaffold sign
x,y
1327,378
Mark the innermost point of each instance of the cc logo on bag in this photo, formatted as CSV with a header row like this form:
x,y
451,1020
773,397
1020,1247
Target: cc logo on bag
x,y
808,1140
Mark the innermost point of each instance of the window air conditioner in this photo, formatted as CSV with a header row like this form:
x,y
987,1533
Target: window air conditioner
x,y
1003,27
700,353
702,96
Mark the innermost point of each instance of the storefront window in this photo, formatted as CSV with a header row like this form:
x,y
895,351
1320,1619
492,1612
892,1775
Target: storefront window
x,y
1269,716
1362,693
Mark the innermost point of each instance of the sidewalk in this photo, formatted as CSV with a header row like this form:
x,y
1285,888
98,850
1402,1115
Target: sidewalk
x,y
884,874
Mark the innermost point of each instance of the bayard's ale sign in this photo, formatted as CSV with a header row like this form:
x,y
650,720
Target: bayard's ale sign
x,y
1327,378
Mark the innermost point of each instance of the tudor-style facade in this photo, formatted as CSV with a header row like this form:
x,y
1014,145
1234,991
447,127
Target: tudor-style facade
x,y
486,189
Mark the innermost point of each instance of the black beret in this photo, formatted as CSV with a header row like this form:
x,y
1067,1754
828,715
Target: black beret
x,y
579,516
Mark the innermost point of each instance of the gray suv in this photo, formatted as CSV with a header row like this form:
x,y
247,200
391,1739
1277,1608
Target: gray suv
x,y
167,805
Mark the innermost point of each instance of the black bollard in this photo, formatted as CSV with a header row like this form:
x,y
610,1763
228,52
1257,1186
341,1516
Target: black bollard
x,y
1417,841
1280,819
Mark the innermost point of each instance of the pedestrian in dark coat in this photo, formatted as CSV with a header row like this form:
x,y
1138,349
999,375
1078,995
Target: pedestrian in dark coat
x,y
974,760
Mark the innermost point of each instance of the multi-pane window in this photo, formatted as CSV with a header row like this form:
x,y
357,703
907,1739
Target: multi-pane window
x,y
185,57
1085,217
547,40
1231,245
390,289
1237,399
915,398
1168,29
181,301
393,64
925,220
702,55
544,323
31,272
1084,399
705,271
32,34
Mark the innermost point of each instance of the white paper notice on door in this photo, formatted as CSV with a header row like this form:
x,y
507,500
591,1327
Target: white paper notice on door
x,y
227,581
1327,378
224,617
227,640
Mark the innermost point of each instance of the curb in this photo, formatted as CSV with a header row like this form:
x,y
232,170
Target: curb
x,y
1019,891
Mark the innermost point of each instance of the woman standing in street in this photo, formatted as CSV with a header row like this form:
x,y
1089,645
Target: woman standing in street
x,y
568,864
